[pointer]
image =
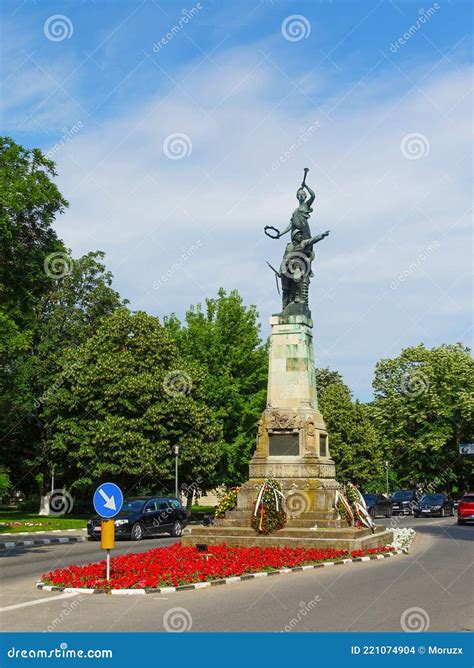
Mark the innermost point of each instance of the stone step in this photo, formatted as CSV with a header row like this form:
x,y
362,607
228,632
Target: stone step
x,y
230,521
298,522
318,515
296,532
310,539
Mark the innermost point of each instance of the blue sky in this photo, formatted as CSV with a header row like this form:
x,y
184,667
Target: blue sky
x,y
175,152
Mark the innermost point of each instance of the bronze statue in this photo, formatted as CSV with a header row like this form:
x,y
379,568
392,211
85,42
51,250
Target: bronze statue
x,y
295,269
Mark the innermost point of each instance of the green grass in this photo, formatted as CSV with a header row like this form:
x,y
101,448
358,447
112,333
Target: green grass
x,y
21,521
202,509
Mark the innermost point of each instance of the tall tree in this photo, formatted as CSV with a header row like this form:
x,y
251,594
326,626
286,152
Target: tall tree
x,y
354,443
65,315
29,204
423,410
224,337
126,397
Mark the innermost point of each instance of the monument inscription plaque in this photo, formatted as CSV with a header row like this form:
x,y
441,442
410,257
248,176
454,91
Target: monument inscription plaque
x,y
283,445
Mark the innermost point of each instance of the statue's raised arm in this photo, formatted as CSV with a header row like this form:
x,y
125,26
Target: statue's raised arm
x,y
312,194
295,270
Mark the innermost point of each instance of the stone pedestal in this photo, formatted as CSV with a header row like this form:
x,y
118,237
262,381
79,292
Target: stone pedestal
x,y
292,447
292,441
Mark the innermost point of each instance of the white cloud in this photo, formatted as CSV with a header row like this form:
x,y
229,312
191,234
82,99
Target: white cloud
x,y
145,210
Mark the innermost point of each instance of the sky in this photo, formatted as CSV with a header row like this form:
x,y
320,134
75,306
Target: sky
x,y
180,130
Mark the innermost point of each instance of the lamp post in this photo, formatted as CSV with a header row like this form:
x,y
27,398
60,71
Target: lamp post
x,y
176,455
386,475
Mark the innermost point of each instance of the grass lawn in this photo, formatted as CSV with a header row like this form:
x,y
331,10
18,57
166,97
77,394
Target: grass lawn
x,y
202,509
15,521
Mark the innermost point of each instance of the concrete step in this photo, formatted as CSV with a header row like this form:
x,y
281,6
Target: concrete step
x,y
307,540
318,515
296,532
230,521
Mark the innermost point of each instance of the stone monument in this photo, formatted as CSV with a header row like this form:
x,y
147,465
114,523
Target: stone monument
x,y
292,440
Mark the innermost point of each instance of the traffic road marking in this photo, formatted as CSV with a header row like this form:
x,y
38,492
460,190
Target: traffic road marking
x,y
38,601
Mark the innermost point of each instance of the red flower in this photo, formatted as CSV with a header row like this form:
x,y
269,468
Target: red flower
x,y
176,565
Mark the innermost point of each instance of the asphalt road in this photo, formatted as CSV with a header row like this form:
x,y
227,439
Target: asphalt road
x,y
435,578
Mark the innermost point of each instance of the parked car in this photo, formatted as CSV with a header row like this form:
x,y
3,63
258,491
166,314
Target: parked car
x,y
466,508
404,501
378,504
144,516
434,504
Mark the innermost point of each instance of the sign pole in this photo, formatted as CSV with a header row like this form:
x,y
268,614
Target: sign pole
x,y
176,455
108,501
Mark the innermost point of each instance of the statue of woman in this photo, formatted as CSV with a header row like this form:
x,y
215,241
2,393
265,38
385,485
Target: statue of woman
x,y
300,218
295,270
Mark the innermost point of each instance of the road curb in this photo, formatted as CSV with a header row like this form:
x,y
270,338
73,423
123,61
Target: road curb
x,y
34,533
214,583
9,545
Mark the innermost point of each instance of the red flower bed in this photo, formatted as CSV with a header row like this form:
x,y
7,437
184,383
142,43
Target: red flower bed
x,y
176,565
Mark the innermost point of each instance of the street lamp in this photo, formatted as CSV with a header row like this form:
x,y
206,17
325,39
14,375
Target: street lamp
x,y
176,455
386,475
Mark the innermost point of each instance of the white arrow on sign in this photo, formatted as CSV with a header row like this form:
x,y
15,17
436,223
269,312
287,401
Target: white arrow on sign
x,y
109,500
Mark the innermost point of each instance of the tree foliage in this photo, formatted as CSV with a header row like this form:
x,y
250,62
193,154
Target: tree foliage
x,y
354,443
423,410
127,397
94,390
29,204
224,337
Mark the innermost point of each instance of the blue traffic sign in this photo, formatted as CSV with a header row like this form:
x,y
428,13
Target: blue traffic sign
x,y
108,499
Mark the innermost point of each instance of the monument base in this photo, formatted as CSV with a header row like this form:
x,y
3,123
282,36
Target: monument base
x,y
293,448
244,536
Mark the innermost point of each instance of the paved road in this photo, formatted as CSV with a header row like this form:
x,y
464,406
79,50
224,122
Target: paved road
x,y
436,577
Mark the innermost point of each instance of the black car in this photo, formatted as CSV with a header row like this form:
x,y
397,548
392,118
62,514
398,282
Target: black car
x,y
145,516
434,504
404,501
378,504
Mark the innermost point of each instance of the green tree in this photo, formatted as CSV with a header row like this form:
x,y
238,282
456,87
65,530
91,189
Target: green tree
x,y
65,315
423,409
354,444
127,396
29,204
326,377
224,337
